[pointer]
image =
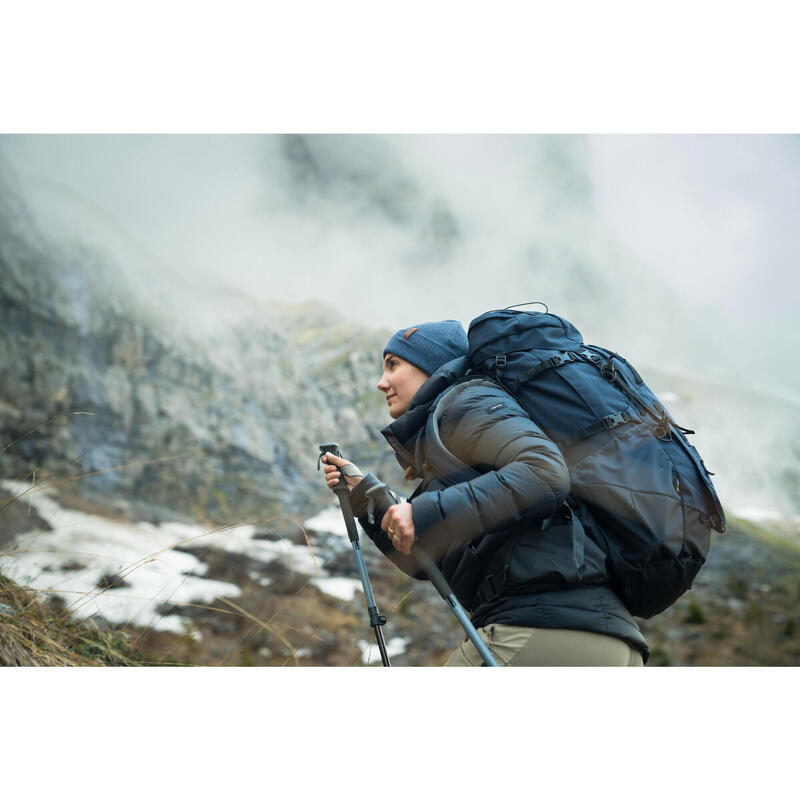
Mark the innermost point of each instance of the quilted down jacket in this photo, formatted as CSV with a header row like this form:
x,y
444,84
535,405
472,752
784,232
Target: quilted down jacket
x,y
496,514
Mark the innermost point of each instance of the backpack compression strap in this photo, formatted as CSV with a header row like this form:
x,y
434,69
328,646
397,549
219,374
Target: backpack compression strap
x,y
607,423
449,469
606,366
608,370
557,360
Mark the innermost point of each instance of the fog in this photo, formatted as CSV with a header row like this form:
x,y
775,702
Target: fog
x,y
677,251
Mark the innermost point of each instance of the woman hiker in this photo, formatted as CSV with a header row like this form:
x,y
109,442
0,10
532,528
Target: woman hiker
x,y
507,515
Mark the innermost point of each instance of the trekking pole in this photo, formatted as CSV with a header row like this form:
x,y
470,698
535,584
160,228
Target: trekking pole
x,y
382,498
376,619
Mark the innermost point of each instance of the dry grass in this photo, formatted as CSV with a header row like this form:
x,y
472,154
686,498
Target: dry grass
x,y
32,634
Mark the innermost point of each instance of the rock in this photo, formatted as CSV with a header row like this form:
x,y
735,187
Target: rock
x,y
17,517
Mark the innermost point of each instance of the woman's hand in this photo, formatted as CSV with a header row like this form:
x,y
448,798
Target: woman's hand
x,y
332,465
398,522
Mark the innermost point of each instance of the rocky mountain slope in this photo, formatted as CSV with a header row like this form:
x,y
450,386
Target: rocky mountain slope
x,y
95,378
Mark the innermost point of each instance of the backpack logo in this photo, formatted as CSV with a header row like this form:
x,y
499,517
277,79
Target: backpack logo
x,y
494,408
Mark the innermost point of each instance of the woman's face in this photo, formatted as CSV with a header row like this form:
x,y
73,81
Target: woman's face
x,y
400,382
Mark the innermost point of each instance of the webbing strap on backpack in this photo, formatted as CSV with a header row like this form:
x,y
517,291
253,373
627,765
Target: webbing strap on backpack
x,y
449,469
607,423
559,359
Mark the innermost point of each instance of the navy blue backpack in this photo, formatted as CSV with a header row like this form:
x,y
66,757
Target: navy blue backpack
x,y
640,489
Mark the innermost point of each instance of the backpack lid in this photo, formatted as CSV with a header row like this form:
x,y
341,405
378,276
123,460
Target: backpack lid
x,y
519,330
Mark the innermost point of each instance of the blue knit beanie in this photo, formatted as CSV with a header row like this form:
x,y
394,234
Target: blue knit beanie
x,y
430,345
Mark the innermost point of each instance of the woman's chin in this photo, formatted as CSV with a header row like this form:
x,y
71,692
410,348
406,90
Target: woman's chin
x,y
395,411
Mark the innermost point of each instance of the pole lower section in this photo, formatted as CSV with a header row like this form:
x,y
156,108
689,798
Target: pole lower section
x,y
437,579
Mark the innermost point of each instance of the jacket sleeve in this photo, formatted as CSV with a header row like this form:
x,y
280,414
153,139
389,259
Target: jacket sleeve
x,y
522,472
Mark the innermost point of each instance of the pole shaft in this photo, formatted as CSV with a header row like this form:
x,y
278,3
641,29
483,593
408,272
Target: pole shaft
x,y
437,579
474,637
375,618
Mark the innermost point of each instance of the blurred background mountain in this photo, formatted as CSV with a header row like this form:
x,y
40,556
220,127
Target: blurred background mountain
x,y
184,320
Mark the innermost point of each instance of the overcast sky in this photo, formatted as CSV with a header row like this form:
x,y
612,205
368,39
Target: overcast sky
x,y
678,250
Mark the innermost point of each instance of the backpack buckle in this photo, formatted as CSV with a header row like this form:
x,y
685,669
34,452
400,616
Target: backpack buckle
x,y
612,420
558,360
486,590
590,356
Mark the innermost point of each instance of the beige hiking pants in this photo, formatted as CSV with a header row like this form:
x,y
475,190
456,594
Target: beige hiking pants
x,y
513,646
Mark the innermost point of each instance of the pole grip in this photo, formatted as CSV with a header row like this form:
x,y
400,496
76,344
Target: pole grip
x,y
341,491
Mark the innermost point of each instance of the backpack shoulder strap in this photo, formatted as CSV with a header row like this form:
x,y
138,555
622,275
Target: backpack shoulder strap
x,y
447,468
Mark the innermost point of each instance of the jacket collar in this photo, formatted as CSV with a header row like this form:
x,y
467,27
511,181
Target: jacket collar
x,y
404,431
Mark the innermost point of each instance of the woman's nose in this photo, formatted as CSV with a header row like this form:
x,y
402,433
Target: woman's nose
x,y
383,384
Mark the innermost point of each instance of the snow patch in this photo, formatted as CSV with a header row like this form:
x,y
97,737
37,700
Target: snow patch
x,y
394,647
343,588
83,553
330,520
240,539
758,514
765,515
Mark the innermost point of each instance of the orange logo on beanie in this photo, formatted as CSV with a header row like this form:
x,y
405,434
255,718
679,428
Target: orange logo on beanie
x,y
409,332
